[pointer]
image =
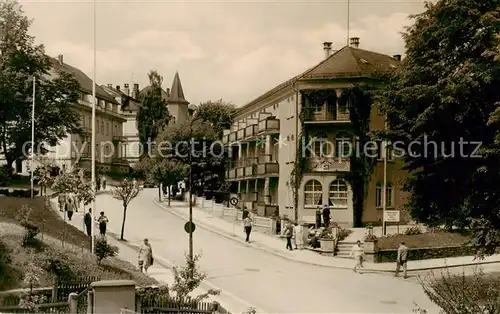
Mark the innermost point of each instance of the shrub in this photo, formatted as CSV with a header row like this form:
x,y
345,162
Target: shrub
x,y
23,193
30,230
370,238
5,175
103,249
413,231
4,192
460,294
179,197
57,264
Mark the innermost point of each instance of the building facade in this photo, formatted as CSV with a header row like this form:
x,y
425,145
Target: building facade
x,y
311,112
75,149
128,109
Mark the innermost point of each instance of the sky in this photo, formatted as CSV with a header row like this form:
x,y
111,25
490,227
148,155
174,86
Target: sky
x,y
230,50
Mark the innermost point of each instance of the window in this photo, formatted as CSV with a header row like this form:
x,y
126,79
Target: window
x,y
102,127
318,107
90,122
313,193
343,145
320,145
381,153
107,128
338,194
379,192
97,125
116,130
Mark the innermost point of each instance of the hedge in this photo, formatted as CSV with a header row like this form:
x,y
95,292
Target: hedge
x,y
415,254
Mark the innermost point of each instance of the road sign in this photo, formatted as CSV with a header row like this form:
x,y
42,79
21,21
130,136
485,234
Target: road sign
x,y
233,201
391,216
189,227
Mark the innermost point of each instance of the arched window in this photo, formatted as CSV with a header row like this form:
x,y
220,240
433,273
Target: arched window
x,y
313,193
343,147
338,194
320,145
379,192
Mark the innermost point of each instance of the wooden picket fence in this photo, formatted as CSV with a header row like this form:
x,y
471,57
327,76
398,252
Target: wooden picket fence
x,y
65,287
168,305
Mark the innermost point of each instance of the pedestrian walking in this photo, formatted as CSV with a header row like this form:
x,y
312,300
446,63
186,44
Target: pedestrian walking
x,y
326,216
299,236
69,206
145,256
87,220
62,201
357,252
318,217
103,223
247,226
402,260
103,182
289,235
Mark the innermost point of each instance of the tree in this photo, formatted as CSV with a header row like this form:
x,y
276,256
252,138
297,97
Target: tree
x,y
125,192
446,91
163,171
71,183
153,114
219,113
43,173
20,61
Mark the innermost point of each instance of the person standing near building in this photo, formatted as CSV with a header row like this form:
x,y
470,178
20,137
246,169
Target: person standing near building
x,y
289,235
299,236
103,223
402,260
318,217
69,207
62,201
247,226
87,220
103,182
145,256
357,252
326,216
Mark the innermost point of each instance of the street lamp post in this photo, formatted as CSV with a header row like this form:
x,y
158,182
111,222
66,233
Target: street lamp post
x,y
190,154
93,150
33,138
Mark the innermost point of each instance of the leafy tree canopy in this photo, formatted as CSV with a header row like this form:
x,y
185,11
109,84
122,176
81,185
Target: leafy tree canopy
x,y
153,115
20,61
446,91
219,113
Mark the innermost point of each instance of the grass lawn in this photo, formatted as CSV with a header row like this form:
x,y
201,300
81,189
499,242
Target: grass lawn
x,y
79,261
425,240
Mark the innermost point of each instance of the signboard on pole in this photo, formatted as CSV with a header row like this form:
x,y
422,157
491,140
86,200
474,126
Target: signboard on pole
x,y
391,216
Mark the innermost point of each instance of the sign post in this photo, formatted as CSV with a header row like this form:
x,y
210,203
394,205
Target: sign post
x,y
392,216
234,201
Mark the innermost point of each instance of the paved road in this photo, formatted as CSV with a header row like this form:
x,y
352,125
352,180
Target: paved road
x,y
268,282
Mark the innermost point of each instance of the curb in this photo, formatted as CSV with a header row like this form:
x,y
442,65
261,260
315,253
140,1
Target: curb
x,y
169,265
234,238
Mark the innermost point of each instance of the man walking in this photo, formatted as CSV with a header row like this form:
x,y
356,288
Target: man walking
x,y
289,235
87,220
357,252
247,225
402,260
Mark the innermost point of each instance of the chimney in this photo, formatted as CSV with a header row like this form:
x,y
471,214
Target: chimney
x,y
126,89
355,42
60,58
135,91
117,87
397,57
327,47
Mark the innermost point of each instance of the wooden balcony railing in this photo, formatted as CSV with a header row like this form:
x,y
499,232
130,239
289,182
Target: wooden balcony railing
x,y
327,115
118,138
269,125
232,137
268,169
240,134
267,158
251,130
329,164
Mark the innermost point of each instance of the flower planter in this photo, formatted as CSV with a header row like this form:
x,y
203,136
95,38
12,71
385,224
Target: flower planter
x,y
370,246
327,245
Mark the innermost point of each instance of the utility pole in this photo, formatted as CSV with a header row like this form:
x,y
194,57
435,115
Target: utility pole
x,y
94,103
33,139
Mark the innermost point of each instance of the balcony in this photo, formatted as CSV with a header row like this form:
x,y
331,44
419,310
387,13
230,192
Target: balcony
x,y
334,115
87,131
250,197
231,174
251,131
329,164
118,138
240,172
240,134
267,166
232,137
119,160
269,126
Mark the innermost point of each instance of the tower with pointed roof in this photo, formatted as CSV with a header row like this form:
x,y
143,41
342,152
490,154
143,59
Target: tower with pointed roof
x,y
177,103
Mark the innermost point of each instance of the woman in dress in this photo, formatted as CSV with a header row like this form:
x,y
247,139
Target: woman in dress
x,y
145,256
299,236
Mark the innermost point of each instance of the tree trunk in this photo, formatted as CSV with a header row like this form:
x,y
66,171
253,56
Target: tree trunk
x,y
123,222
169,194
159,193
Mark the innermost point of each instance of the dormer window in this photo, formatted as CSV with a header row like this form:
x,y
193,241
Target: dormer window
x,y
364,61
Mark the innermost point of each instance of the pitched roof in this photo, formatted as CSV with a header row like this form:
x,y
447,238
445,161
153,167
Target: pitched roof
x,y
127,101
145,90
176,92
348,62
84,81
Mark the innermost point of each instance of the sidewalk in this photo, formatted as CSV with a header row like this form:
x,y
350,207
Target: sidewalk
x,y
162,268
212,221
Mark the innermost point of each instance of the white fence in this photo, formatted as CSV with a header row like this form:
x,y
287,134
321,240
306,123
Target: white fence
x,y
224,212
